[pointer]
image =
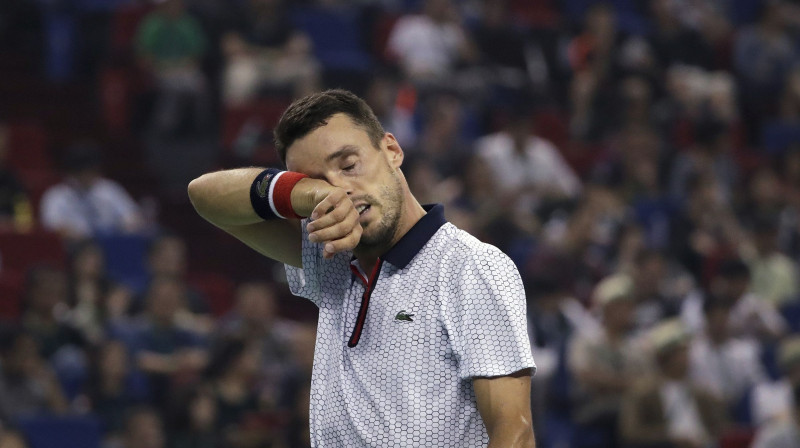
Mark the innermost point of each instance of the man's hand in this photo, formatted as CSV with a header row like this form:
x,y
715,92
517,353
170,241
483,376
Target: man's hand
x,y
334,218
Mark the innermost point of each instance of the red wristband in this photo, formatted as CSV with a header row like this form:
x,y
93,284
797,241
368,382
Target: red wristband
x,y
281,195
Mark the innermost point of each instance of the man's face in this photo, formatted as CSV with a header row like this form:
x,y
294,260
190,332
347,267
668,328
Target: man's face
x,y
342,154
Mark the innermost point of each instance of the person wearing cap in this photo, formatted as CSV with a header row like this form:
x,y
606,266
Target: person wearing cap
x,y
605,363
87,204
782,433
665,409
773,400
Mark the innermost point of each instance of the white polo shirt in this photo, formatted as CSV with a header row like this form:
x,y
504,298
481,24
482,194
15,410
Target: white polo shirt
x,y
396,352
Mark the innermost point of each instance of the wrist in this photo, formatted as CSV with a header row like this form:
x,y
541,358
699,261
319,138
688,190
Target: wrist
x,y
307,193
271,194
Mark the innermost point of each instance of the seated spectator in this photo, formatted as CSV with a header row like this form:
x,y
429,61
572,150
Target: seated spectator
x,y
168,353
750,316
86,203
90,291
665,409
429,46
233,372
171,44
774,274
255,318
527,166
194,425
167,257
726,366
773,400
784,433
16,211
109,390
266,53
606,363
12,439
28,385
45,317
143,429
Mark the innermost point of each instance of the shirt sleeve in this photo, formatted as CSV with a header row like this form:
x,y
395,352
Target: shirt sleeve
x,y
486,319
319,278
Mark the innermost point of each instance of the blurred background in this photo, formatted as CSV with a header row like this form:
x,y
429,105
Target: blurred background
x,y
639,160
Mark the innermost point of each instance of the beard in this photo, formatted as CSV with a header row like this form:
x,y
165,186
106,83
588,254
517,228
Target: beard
x,y
378,236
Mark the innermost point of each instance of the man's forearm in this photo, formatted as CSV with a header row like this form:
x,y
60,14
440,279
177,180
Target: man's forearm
x,y
513,435
223,197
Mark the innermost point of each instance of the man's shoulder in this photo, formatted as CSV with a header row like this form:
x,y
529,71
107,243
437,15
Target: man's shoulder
x,y
461,248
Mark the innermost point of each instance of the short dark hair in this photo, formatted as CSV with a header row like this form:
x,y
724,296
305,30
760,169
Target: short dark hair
x,y
313,111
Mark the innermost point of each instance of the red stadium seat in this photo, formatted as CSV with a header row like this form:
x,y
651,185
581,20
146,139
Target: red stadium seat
x,y
12,285
21,251
737,438
252,122
218,290
27,144
126,23
36,182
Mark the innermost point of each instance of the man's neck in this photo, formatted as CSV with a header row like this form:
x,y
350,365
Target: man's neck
x,y
410,214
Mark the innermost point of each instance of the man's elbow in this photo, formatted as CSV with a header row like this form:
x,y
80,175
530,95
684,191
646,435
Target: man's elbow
x,y
198,194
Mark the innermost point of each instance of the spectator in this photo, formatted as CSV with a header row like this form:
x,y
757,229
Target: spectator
x,y
12,439
726,366
750,316
46,314
605,364
764,54
527,166
664,409
110,390
143,429
171,44
90,291
674,43
87,204
774,401
233,372
774,274
296,386
169,354
167,257
28,385
16,211
194,426
783,433
429,46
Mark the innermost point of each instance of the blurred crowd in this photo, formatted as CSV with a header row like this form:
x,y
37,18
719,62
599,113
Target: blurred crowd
x,y
638,160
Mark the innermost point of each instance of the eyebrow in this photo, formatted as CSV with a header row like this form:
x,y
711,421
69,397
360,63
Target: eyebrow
x,y
345,150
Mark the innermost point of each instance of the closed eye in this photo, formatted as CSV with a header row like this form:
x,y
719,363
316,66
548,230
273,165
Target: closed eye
x,y
349,167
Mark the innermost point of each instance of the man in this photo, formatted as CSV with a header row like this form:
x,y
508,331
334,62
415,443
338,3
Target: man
x,y
431,348
87,204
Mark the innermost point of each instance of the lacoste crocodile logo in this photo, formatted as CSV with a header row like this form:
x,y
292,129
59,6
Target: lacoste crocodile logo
x,y
262,185
403,316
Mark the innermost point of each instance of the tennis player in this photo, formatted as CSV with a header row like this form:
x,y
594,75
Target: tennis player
x,y
421,337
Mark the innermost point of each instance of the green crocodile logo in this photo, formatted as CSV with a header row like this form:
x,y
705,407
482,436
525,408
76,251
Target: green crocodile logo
x,y
262,185
402,315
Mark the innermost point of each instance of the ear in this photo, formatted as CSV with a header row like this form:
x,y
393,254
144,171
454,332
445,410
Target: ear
x,y
394,153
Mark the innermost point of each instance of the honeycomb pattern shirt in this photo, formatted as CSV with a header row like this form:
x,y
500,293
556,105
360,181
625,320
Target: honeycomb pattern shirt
x,y
397,349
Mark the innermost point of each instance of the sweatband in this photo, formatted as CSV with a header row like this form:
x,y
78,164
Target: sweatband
x,y
271,193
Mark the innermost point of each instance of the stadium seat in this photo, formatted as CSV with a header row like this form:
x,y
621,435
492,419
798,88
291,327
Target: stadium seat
x,y
21,251
247,129
336,34
12,285
217,289
27,144
126,257
737,438
61,432
125,24
36,183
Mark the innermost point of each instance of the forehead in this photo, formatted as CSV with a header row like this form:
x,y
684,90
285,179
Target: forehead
x,y
310,152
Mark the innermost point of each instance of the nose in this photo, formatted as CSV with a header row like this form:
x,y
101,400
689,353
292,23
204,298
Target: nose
x,y
338,181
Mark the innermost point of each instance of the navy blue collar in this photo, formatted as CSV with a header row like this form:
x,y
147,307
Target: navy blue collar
x,y
412,242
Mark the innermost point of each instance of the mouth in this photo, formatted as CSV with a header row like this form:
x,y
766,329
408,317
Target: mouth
x,y
362,208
